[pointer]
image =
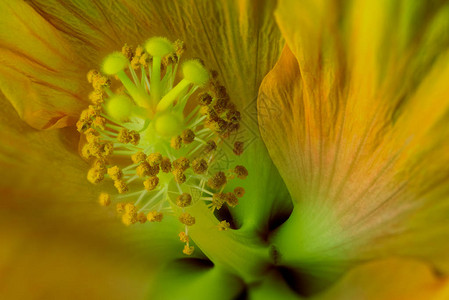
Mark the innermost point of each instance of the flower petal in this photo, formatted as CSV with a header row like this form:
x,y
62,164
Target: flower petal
x,y
388,280
354,118
238,39
40,72
51,222
195,279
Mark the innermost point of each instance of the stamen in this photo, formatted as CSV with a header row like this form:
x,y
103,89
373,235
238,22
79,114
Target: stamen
x,y
139,139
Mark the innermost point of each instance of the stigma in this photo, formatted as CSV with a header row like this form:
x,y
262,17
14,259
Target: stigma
x,y
154,137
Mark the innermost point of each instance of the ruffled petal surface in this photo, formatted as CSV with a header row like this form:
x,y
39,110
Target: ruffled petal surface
x,y
354,116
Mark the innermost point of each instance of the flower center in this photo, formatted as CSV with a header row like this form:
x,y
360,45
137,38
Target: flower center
x,y
157,141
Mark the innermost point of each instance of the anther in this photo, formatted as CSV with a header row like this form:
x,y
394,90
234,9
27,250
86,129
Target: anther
x,y
187,219
176,142
128,52
138,157
120,207
104,199
199,166
187,136
241,172
151,183
183,237
115,173
179,176
141,218
231,199
121,186
166,165
184,200
217,181
205,99
210,146
155,216
218,200
223,226
95,176
154,159
181,163
239,192
188,250
238,148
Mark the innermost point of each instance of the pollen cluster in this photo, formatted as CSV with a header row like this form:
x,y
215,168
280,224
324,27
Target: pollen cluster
x,y
155,141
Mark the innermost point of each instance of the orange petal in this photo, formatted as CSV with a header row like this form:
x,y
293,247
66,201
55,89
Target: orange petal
x,y
40,73
390,279
355,118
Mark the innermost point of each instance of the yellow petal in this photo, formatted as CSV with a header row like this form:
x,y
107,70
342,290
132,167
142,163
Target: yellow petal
x,y
238,39
40,72
390,279
355,118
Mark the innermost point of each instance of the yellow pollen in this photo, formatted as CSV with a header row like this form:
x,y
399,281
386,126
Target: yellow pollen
x,y
121,186
128,52
129,219
138,157
218,200
181,164
223,226
115,173
183,237
241,172
155,216
151,183
120,207
217,181
154,159
238,148
199,165
166,165
179,176
205,99
153,129
176,142
239,192
144,169
95,176
187,219
188,250
184,200
187,136
104,199
231,199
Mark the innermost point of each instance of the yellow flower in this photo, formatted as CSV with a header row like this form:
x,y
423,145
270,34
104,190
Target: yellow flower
x,y
47,48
